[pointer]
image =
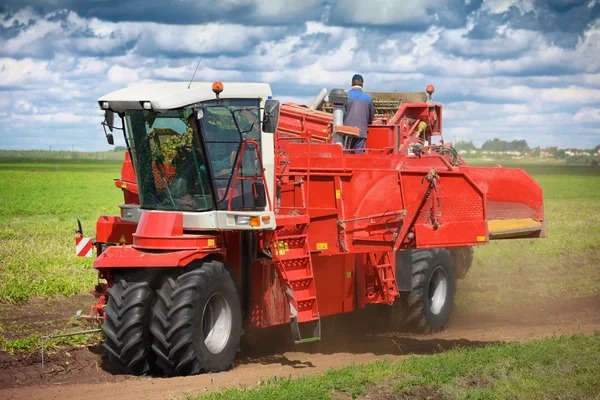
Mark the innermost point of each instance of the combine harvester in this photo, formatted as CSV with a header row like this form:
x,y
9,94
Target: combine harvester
x,y
245,213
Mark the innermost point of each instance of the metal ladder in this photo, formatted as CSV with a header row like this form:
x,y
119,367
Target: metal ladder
x,y
291,255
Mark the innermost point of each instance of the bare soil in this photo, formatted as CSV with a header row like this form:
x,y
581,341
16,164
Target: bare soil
x,y
85,373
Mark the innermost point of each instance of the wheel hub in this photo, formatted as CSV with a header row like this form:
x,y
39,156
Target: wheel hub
x,y
216,323
438,289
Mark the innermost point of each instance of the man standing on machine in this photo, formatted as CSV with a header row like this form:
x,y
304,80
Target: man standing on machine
x,y
359,112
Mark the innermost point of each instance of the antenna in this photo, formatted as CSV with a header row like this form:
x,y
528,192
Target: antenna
x,y
196,70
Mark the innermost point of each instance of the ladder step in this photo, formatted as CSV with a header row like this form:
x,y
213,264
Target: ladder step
x,y
301,279
298,337
305,303
298,284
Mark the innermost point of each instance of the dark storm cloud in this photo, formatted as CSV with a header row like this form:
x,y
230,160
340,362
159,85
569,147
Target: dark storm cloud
x,y
171,11
562,21
548,17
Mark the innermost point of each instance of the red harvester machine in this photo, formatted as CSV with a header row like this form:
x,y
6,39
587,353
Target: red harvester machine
x,y
244,213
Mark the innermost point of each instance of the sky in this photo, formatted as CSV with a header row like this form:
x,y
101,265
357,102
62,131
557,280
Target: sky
x,y
511,69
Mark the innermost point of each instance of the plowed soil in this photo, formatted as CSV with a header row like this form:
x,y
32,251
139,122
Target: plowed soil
x,y
85,373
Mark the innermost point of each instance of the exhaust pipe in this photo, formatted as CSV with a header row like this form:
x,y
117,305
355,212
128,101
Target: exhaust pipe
x,y
339,98
318,100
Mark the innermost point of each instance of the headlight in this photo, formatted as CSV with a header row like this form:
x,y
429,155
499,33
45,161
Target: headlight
x,y
242,220
247,220
127,213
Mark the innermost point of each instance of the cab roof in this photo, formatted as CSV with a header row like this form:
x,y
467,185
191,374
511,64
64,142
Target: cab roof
x,y
171,95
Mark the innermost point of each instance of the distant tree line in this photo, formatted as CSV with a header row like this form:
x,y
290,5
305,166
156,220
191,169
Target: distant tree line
x,y
495,145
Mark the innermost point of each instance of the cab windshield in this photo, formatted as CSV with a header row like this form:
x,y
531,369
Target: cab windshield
x,y
170,165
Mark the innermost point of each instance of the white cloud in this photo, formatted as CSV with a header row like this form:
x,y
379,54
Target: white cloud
x,y
501,6
123,75
588,115
515,83
384,12
22,72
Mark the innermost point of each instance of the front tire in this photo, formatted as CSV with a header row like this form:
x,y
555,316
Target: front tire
x,y
197,321
433,287
128,313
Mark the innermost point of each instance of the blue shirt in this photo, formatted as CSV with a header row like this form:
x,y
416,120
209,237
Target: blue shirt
x,y
359,111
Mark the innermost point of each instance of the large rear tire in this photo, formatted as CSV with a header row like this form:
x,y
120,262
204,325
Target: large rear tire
x,y
433,286
197,321
128,312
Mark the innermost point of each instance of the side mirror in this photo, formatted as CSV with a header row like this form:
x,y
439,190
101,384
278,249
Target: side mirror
x,y
271,116
260,198
110,139
109,119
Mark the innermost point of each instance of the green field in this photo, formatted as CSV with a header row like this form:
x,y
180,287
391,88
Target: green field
x,y
38,211
565,264
39,203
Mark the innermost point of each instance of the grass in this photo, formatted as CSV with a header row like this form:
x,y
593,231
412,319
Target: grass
x,y
560,367
38,211
33,342
564,264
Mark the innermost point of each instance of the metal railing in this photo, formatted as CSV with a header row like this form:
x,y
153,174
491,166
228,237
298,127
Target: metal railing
x,y
253,178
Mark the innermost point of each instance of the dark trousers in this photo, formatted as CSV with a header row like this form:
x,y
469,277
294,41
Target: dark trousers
x,y
358,144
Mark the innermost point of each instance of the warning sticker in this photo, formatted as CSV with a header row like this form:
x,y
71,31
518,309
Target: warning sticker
x,y
281,248
122,240
211,242
338,194
321,246
481,238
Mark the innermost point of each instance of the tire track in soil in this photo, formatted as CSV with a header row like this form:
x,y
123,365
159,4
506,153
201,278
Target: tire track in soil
x,y
354,338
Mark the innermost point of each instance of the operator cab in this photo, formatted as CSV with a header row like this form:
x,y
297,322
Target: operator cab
x,y
199,149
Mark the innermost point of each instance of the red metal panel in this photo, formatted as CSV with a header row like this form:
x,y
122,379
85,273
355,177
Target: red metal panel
x,y
329,281
382,137
270,305
164,231
510,192
128,257
349,294
451,234
114,230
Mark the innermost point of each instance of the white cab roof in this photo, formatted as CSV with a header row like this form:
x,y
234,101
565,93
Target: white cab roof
x,y
171,95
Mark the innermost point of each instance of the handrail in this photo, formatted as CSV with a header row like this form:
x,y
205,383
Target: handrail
x,y
240,157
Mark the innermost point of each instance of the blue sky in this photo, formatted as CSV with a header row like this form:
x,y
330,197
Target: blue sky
x,y
514,69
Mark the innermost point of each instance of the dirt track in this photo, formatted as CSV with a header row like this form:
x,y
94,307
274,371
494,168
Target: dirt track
x,y
85,374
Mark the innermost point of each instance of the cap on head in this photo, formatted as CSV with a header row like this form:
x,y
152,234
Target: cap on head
x,y
357,78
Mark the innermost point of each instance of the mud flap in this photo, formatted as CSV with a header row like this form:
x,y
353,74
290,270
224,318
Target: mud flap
x,y
404,270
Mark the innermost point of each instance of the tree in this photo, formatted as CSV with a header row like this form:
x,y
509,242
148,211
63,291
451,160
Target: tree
x,y
119,148
462,145
498,145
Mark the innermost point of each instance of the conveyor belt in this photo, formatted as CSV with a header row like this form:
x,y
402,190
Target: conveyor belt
x,y
513,228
